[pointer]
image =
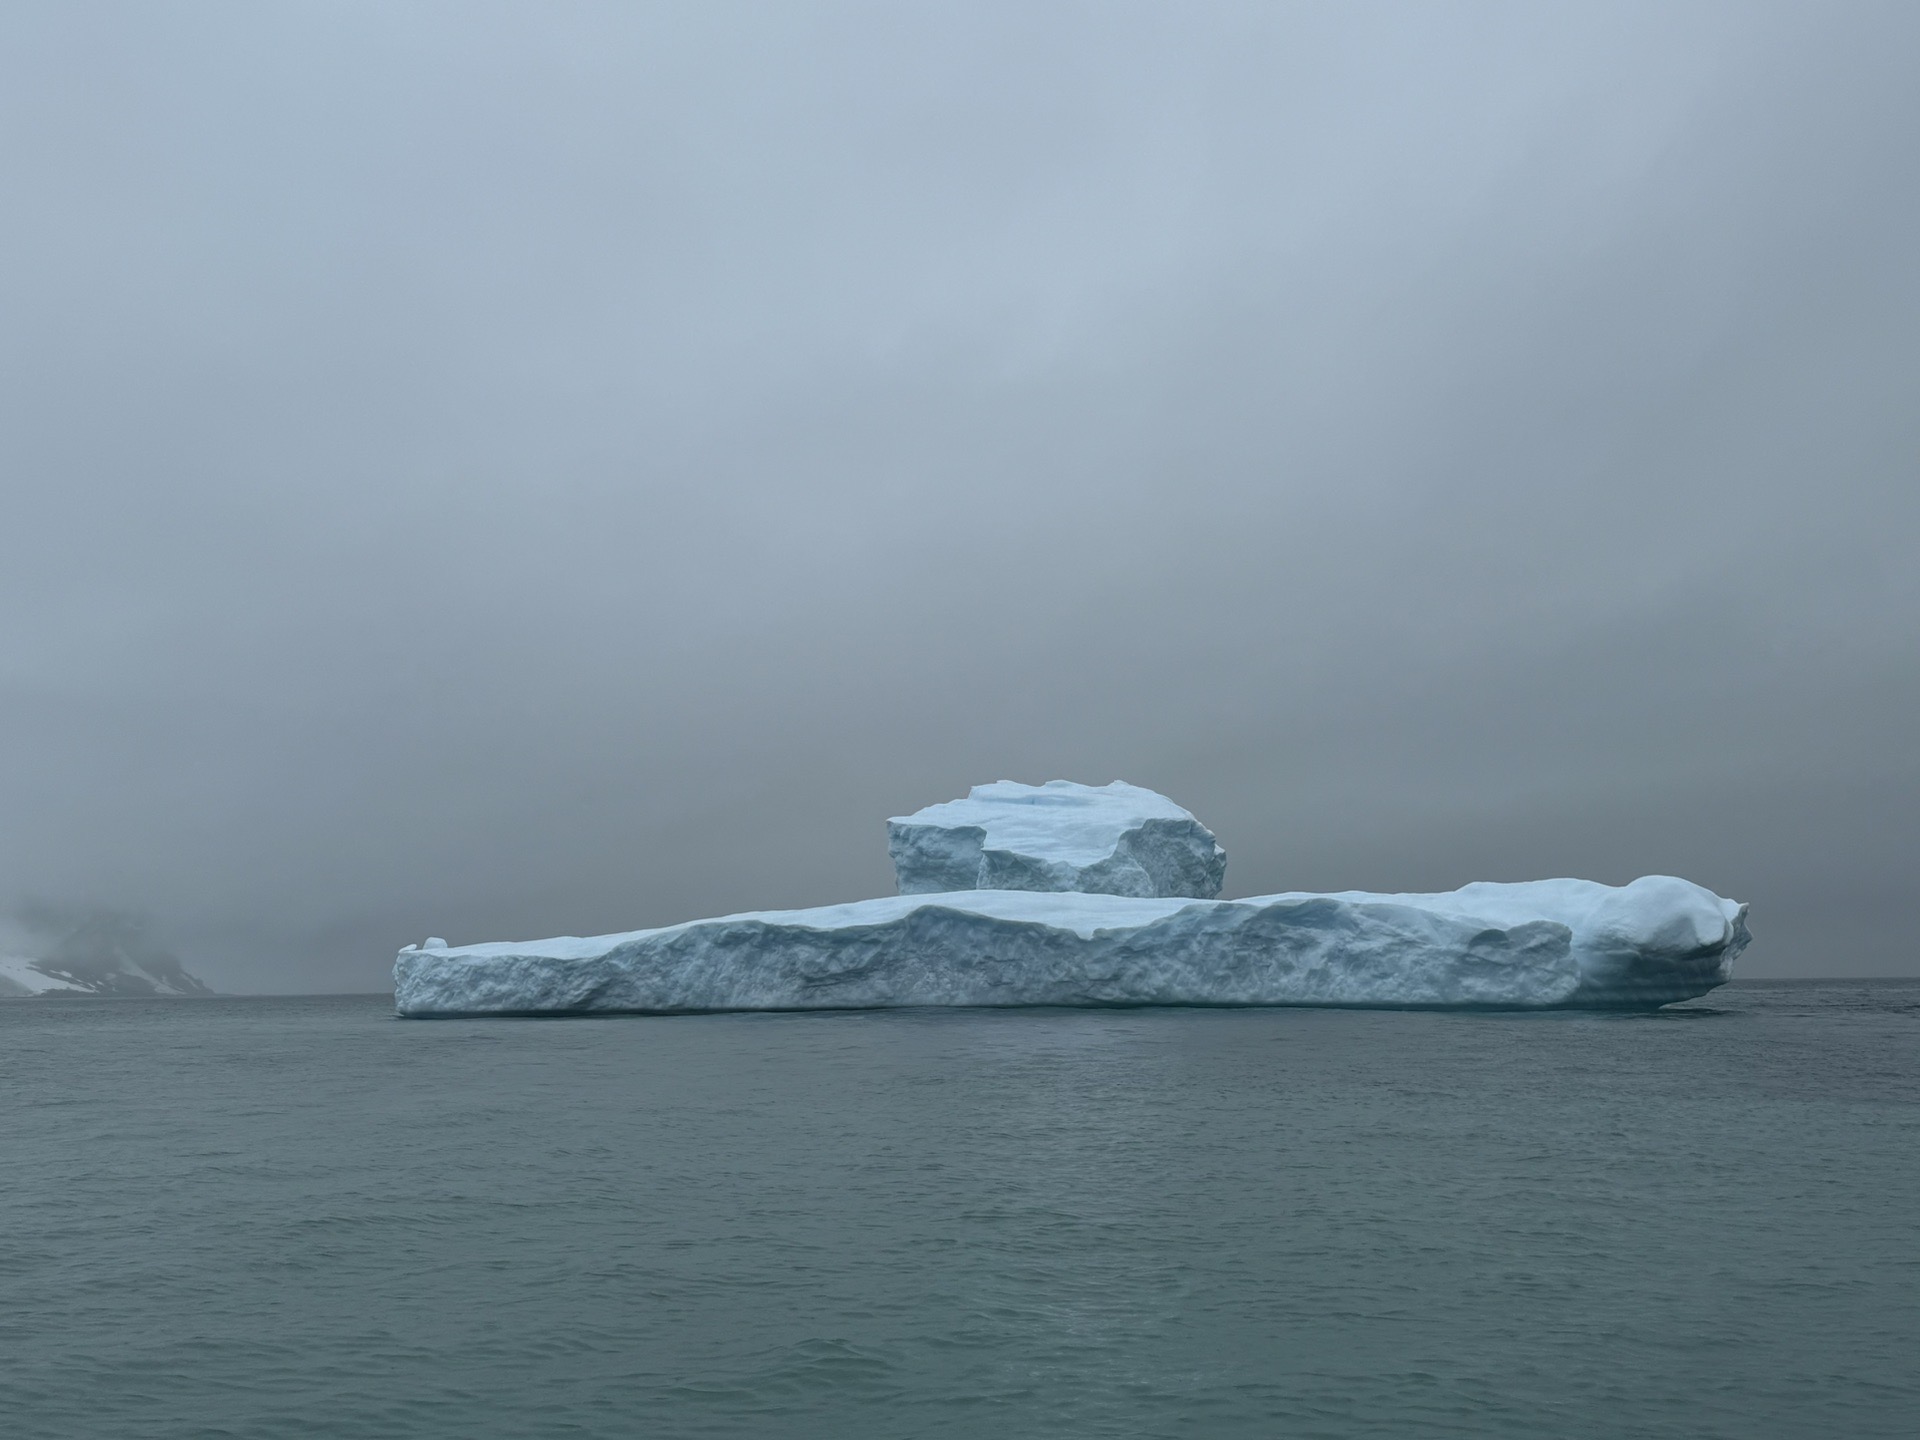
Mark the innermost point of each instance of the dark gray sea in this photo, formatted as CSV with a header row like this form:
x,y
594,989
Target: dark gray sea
x,y
302,1217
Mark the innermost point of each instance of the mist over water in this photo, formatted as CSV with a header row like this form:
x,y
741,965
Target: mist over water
x,y
87,949
497,471
281,1217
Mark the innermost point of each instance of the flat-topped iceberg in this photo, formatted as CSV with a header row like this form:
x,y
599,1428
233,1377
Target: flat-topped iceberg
x,y
1116,839
1549,944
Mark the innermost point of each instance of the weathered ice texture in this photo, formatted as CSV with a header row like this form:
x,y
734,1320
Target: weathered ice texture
x,y
1553,943
1635,944
1113,839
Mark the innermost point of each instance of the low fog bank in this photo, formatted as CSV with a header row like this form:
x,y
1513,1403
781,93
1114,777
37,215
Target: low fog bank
x,y
510,471
65,949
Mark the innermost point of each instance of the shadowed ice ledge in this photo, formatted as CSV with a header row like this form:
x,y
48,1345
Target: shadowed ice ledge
x,y
1046,941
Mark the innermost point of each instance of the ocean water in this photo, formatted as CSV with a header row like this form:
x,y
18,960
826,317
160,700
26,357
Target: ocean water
x,y
302,1217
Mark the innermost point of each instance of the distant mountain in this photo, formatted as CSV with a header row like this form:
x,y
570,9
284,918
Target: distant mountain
x,y
99,953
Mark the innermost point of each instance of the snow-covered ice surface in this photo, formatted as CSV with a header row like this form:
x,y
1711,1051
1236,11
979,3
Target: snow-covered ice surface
x,y
1116,839
1551,943
20,975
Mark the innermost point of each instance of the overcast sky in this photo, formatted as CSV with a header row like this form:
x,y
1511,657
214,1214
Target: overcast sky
x,y
505,470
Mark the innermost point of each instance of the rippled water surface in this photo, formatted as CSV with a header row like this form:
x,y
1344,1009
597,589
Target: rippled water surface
x,y
301,1217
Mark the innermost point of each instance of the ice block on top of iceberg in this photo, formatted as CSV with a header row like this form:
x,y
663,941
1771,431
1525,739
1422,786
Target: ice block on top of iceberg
x,y
1116,839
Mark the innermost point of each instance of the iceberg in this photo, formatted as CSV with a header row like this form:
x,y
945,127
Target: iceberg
x,y
1540,945
1116,839
1067,894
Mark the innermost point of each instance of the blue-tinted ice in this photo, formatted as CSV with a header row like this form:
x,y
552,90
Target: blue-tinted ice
x,y
1549,943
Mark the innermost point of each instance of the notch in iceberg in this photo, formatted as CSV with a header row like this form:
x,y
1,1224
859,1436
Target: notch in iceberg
x,y
1116,839
1549,944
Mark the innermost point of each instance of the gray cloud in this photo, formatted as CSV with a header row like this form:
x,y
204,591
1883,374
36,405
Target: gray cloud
x,y
501,470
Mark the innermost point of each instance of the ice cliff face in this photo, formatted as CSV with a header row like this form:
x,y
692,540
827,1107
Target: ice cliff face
x,y
1116,839
1635,944
1557,943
